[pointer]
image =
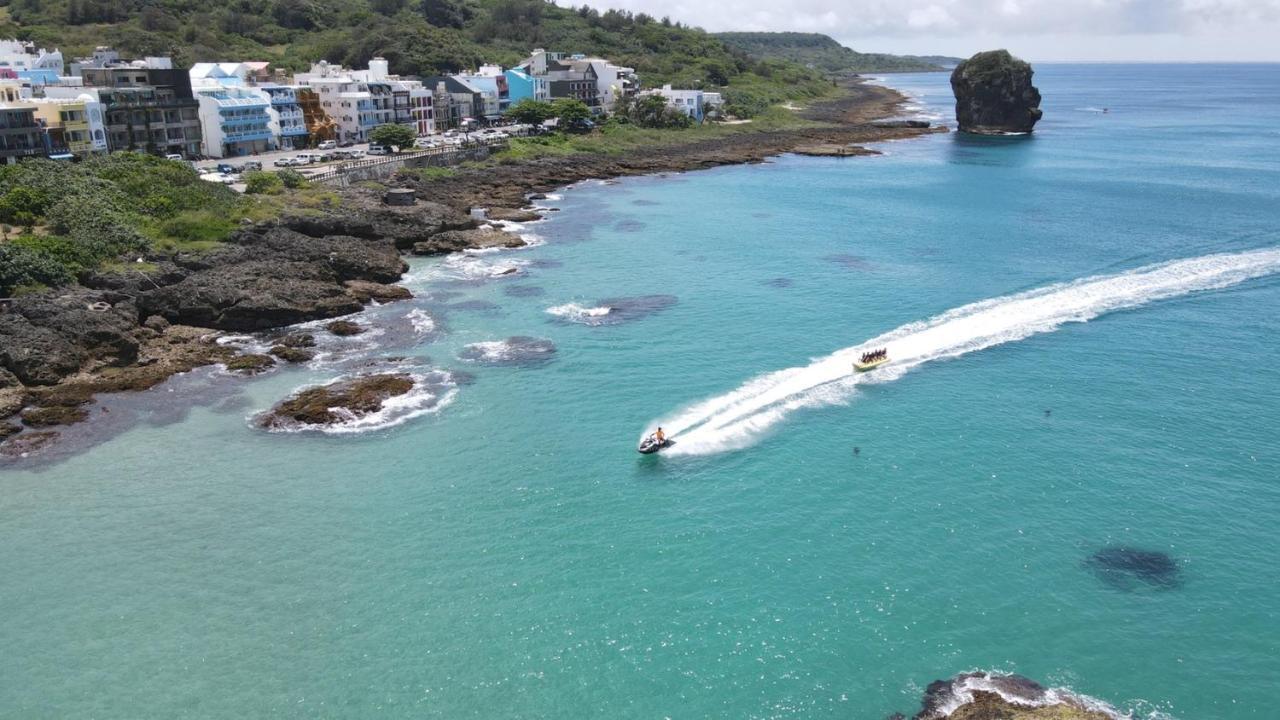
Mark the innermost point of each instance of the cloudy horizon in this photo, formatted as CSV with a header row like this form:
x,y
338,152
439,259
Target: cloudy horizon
x,y
1044,30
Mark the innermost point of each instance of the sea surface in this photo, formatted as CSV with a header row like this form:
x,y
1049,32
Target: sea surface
x,y
1071,470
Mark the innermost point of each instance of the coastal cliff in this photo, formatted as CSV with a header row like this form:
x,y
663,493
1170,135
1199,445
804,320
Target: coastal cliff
x,y
994,94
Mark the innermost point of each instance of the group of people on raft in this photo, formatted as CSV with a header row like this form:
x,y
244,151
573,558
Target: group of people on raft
x,y
874,355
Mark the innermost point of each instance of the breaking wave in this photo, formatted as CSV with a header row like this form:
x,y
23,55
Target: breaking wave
x,y
421,320
738,418
519,350
574,312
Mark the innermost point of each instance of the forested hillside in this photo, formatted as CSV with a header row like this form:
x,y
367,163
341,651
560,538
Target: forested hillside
x,y
418,37
824,53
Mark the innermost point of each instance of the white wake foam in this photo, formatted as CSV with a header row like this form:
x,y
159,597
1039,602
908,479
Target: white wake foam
x,y
737,418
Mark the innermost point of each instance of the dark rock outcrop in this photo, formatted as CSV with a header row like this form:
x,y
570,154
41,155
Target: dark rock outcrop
x,y
364,291
56,415
994,94
298,340
337,402
512,215
292,354
344,328
455,240
250,364
995,696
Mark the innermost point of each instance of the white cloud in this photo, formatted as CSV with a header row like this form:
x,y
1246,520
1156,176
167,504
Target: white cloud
x,y
1051,29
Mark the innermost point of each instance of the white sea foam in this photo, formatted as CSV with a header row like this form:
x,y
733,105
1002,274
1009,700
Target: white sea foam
x,y
469,266
738,418
490,350
574,312
421,320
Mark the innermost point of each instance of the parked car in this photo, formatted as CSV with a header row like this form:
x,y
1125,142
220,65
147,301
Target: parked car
x,y
227,169
328,145
306,158
379,150
424,143
286,162
173,156
219,177
251,165
346,143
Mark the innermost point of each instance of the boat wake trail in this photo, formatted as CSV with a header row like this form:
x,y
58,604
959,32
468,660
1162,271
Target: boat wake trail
x,y
736,419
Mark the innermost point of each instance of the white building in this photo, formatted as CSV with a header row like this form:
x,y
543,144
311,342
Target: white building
x,y
357,100
234,121
690,102
20,55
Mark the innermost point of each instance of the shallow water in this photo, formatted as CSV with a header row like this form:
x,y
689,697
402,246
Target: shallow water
x,y
508,554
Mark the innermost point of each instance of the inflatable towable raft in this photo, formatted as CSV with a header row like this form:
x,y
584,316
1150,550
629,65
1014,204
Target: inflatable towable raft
x,y
871,360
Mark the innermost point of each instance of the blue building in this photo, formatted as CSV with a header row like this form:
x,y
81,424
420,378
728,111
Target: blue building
x,y
521,85
287,122
235,121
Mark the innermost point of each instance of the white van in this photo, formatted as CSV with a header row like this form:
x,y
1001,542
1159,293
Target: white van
x,y
379,150
328,145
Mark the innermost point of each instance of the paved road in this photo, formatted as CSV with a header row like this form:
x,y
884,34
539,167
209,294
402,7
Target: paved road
x,y
208,166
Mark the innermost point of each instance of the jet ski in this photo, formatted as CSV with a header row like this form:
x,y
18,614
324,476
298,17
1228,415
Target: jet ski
x,y
651,444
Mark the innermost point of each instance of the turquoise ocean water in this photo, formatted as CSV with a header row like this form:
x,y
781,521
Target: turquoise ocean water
x,y
499,549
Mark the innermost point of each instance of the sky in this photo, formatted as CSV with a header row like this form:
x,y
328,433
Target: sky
x,y
1045,30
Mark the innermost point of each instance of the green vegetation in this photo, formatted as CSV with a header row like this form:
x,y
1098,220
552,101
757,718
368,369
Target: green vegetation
x,y
262,183
570,113
76,216
417,37
292,179
399,137
825,54
618,136
992,65
531,112
651,111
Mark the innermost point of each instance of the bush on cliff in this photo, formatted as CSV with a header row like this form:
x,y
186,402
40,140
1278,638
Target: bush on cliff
x,y
292,179
21,268
262,183
83,214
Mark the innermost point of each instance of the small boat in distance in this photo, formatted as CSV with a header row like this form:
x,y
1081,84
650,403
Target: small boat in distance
x,y
871,360
654,442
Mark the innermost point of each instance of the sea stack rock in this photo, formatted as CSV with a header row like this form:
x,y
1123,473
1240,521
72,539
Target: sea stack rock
x,y
994,94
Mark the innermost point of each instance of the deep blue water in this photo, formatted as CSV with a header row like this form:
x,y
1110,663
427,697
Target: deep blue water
x,y
815,545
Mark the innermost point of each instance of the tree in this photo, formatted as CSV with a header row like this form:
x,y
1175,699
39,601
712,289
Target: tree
x,y
530,111
397,136
652,111
445,13
262,183
571,113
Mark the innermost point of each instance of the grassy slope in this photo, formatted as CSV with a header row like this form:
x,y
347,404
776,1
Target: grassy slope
x,y
823,53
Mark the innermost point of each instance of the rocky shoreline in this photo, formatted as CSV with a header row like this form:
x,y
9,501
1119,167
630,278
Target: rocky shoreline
x,y
132,329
